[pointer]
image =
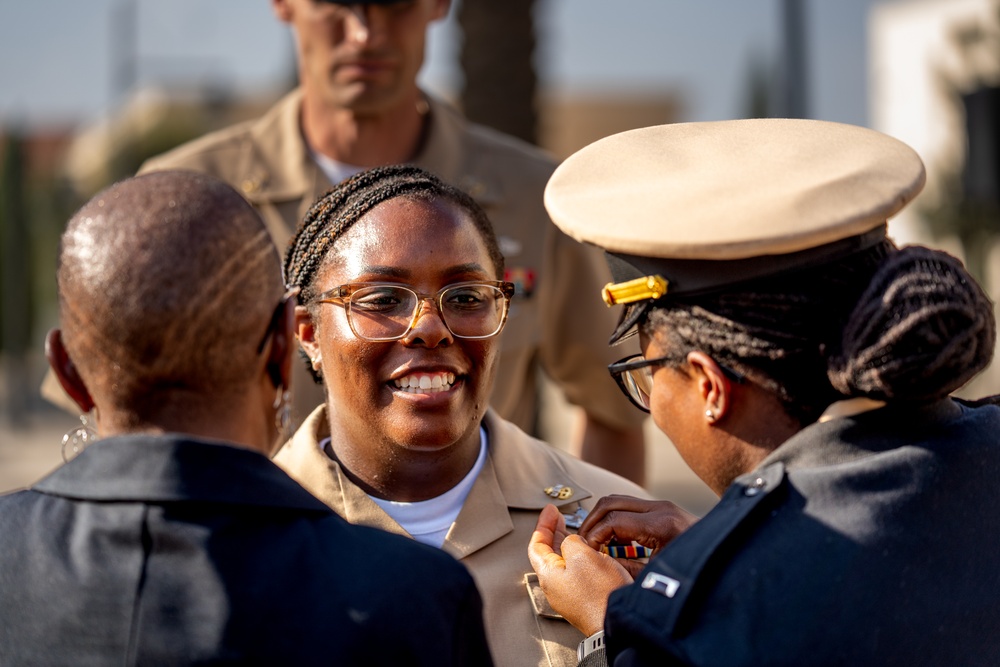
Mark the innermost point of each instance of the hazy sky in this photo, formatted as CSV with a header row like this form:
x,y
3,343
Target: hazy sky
x,y
56,56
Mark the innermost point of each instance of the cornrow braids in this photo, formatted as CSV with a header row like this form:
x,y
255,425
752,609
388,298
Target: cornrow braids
x,y
336,211
885,324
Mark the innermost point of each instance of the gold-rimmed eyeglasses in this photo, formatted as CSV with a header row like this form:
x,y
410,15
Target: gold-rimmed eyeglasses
x,y
385,312
634,375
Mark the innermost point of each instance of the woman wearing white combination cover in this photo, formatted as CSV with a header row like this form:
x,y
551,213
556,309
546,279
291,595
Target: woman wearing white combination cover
x,y
802,365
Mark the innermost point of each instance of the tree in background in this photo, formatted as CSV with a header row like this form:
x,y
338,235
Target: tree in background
x,y
34,204
497,58
969,208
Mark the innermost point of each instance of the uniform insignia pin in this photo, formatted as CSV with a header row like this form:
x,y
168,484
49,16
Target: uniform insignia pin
x,y
559,492
575,520
660,583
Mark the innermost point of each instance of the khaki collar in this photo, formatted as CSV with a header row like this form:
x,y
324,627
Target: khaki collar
x,y
525,467
278,166
514,477
446,154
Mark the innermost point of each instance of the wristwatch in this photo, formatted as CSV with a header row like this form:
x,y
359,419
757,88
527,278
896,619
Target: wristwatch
x,y
589,645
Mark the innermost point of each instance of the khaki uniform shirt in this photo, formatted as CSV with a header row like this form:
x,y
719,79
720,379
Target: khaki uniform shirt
x,y
557,318
491,534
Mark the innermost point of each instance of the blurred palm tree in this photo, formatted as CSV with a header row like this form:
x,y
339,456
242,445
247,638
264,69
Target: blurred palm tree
x,y
497,58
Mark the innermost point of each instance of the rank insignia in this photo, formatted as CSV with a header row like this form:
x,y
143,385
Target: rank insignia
x,y
559,492
662,584
575,519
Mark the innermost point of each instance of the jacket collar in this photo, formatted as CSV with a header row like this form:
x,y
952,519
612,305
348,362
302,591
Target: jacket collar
x,y
445,153
514,477
278,166
857,436
174,468
525,467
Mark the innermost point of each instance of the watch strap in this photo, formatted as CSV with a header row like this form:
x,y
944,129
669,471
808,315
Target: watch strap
x,y
590,644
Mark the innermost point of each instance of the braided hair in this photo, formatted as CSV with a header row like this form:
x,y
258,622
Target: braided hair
x,y
887,324
336,211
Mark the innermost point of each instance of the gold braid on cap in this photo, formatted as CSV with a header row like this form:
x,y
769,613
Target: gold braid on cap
x,y
640,289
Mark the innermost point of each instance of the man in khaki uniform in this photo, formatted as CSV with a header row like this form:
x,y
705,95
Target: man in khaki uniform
x,y
359,106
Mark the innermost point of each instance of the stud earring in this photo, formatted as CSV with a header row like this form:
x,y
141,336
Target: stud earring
x,y
710,416
76,441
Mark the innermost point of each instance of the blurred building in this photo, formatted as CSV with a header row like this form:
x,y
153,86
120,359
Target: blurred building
x,y
152,120
570,121
935,84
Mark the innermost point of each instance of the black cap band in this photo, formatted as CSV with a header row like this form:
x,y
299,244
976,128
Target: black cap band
x,y
692,277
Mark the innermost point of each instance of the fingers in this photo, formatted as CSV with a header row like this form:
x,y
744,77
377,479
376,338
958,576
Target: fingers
x,y
581,557
623,528
651,523
545,540
633,567
616,518
550,520
612,503
577,582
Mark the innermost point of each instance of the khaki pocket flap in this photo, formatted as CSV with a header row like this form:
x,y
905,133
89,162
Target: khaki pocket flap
x,y
539,602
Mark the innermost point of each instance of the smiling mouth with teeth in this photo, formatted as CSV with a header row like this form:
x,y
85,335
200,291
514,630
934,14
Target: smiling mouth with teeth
x,y
425,383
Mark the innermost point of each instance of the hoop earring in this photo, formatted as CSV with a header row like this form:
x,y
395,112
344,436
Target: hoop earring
x,y
283,413
78,439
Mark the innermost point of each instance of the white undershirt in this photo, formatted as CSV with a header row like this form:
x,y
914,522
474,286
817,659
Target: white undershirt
x,y
429,521
334,171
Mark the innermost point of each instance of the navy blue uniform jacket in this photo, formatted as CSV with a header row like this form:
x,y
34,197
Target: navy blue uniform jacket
x,y
163,550
868,540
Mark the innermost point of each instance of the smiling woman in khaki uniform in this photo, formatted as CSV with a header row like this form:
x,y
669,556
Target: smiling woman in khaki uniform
x,y
401,310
